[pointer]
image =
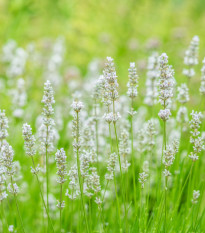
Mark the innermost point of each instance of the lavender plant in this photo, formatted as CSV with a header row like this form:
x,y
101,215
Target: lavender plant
x,y
119,167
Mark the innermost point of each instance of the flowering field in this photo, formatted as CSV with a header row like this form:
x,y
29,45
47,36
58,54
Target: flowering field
x,y
101,143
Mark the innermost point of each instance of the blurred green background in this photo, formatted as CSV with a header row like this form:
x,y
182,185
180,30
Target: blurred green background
x,y
93,28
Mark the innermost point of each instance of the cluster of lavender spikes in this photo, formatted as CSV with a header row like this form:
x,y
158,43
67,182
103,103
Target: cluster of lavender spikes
x,y
83,174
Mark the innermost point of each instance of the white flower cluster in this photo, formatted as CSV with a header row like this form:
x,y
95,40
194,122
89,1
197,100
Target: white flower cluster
x,y
88,134
165,86
89,137
191,57
60,158
195,139
92,183
35,170
29,140
111,83
11,228
96,95
166,81
111,166
55,60
19,98
3,159
9,168
98,201
77,105
109,93
141,140
15,58
182,115
85,161
183,97
164,114
47,135
48,101
183,93
150,133
143,178
202,87
133,81
3,194
13,188
3,125
152,80
146,166
169,156
77,142
124,149
91,179
196,195
112,117
60,205
7,155
74,190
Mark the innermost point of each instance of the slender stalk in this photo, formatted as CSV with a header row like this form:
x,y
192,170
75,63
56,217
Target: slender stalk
x,y
141,210
189,186
17,206
96,131
121,175
41,193
165,198
105,190
71,227
61,187
47,172
117,199
118,153
133,159
165,204
79,174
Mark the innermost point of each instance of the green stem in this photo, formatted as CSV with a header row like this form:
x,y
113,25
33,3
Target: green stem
x,y
17,206
165,205
96,132
118,205
47,172
41,193
133,159
60,207
79,175
121,175
165,198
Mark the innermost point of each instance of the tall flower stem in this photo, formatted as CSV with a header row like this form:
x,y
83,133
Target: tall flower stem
x,y
118,204
96,131
165,197
132,155
17,206
61,187
47,172
121,175
41,193
79,175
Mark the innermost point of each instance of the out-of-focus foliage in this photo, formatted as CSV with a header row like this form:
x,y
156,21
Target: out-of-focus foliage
x,y
122,29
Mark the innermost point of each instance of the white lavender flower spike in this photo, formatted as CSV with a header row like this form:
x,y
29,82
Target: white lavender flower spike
x,y
191,57
196,195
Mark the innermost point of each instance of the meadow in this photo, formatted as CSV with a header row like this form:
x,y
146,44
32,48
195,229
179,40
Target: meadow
x,y
102,116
